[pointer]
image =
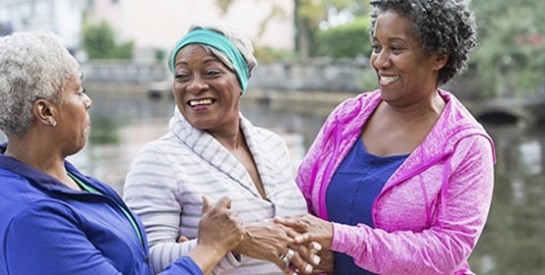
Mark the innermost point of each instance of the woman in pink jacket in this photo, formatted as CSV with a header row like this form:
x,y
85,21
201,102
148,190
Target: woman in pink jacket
x,y
399,180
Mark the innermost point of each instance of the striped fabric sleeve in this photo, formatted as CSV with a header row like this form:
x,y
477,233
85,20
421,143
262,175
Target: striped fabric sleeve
x,y
149,190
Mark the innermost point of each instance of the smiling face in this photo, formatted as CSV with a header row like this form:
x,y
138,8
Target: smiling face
x,y
73,117
406,74
207,93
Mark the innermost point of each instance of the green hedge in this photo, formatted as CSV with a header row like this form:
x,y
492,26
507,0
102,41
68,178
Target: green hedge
x,y
345,41
99,43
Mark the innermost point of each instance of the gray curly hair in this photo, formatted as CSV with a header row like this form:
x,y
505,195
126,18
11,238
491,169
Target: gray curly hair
x,y
243,44
444,27
33,65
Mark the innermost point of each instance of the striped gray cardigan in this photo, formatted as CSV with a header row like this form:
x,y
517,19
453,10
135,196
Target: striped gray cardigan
x,y
168,177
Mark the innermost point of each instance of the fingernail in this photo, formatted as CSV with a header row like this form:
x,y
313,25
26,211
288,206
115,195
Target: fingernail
x,y
316,259
298,238
308,269
316,246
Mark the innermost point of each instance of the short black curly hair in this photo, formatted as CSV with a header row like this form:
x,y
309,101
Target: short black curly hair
x,y
443,26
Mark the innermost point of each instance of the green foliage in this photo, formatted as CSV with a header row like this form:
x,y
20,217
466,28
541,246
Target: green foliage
x,y
311,13
268,54
105,131
510,56
368,80
348,40
99,43
224,5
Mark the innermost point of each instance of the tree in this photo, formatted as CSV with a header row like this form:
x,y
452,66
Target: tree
x,y
99,43
311,14
510,57
355,37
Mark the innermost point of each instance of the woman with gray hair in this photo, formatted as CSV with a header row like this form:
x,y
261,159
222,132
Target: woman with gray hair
x,y
53,218
399,180
212,149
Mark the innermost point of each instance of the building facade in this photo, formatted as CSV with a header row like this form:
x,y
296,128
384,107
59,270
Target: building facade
x,y
157,25
63,17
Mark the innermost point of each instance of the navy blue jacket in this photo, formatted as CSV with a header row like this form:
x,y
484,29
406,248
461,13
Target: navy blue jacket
x,y
48,228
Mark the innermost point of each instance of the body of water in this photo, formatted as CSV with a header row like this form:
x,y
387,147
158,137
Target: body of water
x,y
512,242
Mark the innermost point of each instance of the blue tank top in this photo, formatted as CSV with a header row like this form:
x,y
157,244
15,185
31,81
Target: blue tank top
x,y
353,189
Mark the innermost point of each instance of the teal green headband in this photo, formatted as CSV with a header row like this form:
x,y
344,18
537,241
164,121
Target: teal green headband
x,y
220,43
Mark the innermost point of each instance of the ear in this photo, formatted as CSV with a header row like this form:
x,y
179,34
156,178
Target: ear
x,y
44,112
441,60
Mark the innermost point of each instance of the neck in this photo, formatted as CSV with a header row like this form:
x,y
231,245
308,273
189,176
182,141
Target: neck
x,y
430,107
231,141
34,152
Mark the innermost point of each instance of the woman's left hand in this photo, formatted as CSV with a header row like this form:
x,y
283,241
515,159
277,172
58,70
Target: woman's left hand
x,y
274,242
310,228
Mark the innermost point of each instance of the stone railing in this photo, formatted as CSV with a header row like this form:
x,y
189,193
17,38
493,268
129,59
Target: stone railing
x,y
124,72
311,75
325,75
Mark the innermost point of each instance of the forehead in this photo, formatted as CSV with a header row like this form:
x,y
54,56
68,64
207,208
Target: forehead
x,y
72,80
392,23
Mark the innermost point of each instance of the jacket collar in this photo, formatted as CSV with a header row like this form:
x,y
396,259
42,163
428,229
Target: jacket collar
x,y
41,179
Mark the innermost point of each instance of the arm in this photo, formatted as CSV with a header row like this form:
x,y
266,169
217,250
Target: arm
x,y
150,191
48,239
213,243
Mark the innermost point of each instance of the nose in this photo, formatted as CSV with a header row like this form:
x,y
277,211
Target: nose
x,y
380,59
87,102
196,84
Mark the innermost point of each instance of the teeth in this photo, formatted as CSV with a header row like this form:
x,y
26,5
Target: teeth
x,y
388,79
193,103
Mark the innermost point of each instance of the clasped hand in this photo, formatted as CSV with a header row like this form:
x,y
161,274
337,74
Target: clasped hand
x,y
312,230
272,242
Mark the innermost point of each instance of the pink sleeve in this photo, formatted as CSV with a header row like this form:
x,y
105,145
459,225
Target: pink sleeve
x,y
456,226
306,173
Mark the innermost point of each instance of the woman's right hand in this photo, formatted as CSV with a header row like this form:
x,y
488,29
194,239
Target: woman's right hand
x,y
220,228
270,241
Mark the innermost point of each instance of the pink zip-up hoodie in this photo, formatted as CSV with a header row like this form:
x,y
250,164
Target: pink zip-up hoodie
x,y
431,211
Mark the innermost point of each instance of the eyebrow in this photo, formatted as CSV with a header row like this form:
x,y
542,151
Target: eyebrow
x,y
207,60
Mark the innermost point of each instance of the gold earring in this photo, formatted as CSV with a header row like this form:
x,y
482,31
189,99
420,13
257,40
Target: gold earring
x,y
52,121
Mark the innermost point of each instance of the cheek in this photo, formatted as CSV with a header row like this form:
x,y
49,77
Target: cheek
x,y
372,61
233,86
177,89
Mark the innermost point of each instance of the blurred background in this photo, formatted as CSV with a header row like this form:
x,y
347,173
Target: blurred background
x,y
313,54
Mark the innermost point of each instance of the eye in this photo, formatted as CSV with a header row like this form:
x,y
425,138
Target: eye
x,y
213,72
181,76
376,48
396,49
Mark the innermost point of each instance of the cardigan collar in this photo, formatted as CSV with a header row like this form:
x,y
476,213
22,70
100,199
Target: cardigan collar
x,y
215,154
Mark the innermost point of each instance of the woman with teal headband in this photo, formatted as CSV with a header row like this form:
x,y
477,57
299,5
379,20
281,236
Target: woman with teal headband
x,y
212,149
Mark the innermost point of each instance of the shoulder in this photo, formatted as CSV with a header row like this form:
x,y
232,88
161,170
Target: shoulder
x,y
156,149
355,106
18,194
269,136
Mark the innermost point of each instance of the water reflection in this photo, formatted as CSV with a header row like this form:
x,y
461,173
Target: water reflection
x,y
512,242
513,239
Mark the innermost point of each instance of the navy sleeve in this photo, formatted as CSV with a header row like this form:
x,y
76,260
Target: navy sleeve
x,y
184,265
47,240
